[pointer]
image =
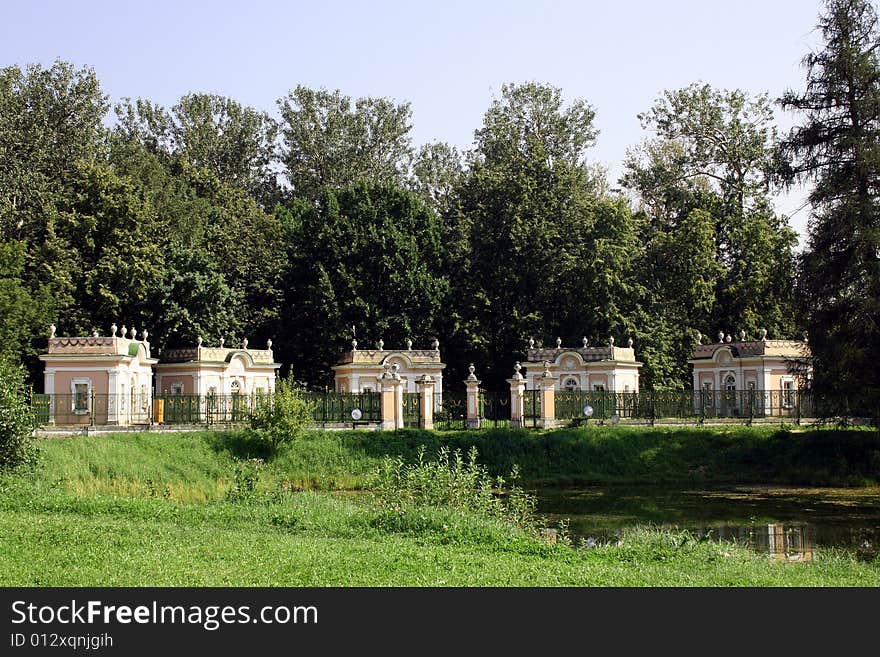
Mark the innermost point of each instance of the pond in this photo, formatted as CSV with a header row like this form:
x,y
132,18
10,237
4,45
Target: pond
x,y
789,523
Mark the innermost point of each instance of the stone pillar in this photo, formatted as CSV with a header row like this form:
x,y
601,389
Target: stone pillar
x,y
546,384
473,399
517,392
425,387
391,403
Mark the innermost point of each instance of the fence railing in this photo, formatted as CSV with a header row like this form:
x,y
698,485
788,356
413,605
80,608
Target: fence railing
x,y
685,404
341,408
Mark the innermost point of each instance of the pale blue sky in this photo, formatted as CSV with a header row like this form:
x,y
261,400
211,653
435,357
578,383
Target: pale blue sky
x,y
449,59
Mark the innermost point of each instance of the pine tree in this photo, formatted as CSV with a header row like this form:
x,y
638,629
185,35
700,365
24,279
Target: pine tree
x,y
837,149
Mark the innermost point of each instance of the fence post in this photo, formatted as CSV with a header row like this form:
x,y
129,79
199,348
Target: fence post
x,y
92,407
425,387
517,390
473,399
547,384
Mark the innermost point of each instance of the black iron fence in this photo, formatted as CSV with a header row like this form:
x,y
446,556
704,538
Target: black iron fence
x,y
494,408
685,404
412,409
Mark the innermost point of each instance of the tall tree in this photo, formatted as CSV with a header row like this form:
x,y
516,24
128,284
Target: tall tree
x,y
837,149
547,254
328,142
707,170
368,257
233,142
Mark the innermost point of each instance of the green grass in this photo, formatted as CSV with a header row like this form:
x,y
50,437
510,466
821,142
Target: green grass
x,y
313,538
196,467
152,509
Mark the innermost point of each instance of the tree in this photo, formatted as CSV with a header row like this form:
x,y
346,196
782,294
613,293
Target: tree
x,y
717,255
369,257
234,142
50,119
329,143
548,255
837,149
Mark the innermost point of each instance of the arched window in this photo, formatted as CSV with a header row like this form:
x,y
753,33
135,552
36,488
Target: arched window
x,y
730,382
571,384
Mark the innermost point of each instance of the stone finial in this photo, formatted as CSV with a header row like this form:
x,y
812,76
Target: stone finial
x,y
395,372
471,376
629,343
516,375
51,331
546,374
145,334
558,343
611,341
435,345
222,340
763,333
585,341
95,333
806,340
386,370
199,341
720,337
354,344
132,332
244,343
380,344
269,344
699,338
408,344
727,338
531,343
113,330
742,335
122,331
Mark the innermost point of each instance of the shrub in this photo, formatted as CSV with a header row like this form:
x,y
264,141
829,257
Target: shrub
x,y
17,418
283,417
244,480
451,481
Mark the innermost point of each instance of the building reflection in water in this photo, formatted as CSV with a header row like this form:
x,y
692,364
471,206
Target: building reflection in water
x,y
785,542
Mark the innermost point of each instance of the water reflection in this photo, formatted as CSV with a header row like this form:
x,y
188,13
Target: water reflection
x,y
789,524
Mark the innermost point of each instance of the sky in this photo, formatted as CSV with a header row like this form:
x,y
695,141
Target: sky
x,y
448,59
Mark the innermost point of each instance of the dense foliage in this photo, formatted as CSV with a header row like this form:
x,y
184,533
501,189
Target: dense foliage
x,y
216,219
17,422
837,149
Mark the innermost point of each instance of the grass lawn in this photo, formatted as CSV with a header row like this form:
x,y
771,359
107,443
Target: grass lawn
x,y
152,510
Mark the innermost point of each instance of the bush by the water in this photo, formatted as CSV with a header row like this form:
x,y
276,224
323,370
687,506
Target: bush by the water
x,y
451,481
284,417
17,420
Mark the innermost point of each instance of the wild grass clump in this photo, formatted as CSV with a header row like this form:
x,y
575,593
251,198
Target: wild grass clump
x,y
244,481
451,481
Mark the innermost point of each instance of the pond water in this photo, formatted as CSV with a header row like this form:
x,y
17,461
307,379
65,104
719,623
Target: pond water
x,y
789,523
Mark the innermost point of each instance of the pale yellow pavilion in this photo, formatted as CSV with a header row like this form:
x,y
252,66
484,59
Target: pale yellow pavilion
x,y
774,368
595,368
359,370
220,370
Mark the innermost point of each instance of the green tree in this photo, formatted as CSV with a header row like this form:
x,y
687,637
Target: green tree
x,y
368,257
234,142
547,254
717,255
837,149
327,142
